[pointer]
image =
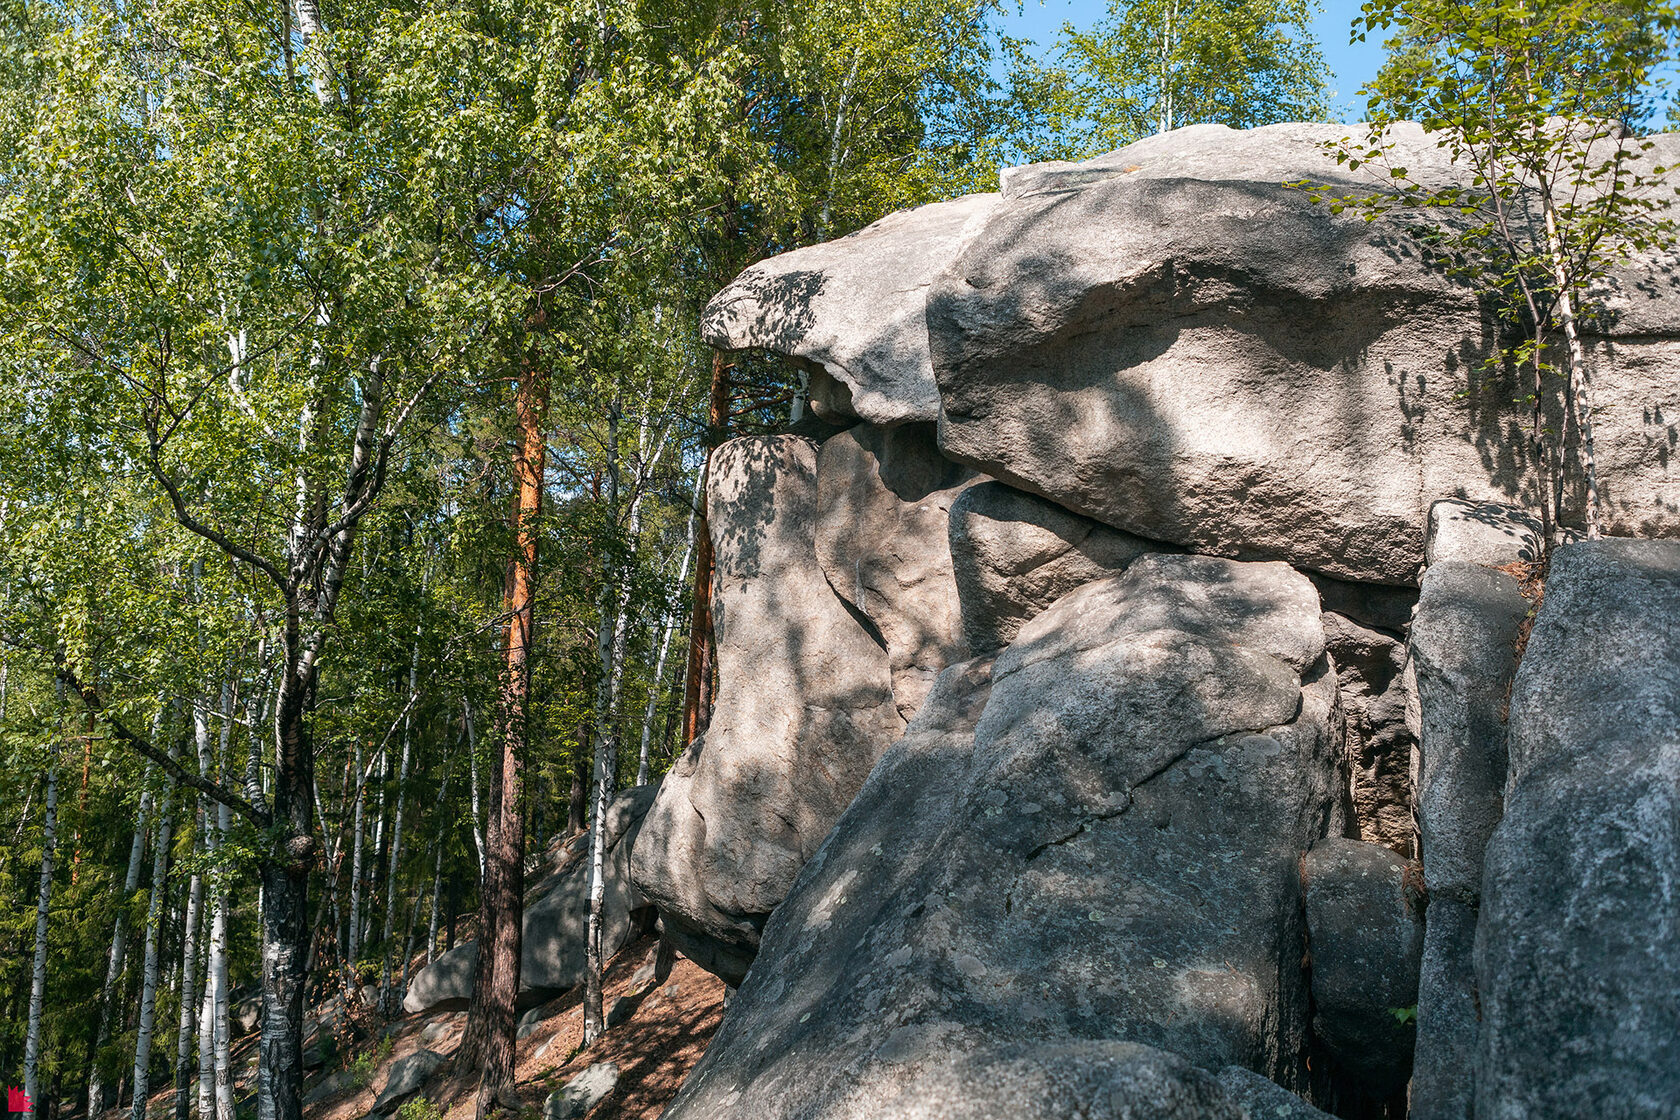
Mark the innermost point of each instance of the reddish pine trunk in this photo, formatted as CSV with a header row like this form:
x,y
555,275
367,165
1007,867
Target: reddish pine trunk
x,y
489,1042
697,692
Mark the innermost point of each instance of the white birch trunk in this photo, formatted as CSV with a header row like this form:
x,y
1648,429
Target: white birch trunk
x,y
609,636
149,982
38,974
353,933
671,621
385,1004
188,1026
119,944
217,986
472,771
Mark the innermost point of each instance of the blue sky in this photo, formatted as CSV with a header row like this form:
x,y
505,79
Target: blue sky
x,y
1352,66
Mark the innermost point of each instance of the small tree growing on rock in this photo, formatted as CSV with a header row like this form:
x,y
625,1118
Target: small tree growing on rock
x,y
1534,99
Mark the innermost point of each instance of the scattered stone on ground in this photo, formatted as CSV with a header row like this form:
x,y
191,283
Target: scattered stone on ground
x,y
582,1093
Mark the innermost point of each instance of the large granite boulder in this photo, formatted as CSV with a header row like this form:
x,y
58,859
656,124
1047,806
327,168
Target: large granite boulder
x,y
1365,925
1169,340
884,499
852,311
551,958
1578,952
1094,844
1221,363
1463,646
804,707
1015,553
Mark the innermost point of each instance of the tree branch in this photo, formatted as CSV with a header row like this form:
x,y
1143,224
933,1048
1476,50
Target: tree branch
x,y
213,790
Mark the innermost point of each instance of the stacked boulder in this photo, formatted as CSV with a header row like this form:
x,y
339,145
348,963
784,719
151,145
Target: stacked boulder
x,y
1126,715
556,921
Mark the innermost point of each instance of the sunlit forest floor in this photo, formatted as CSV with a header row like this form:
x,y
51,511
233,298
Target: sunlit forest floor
x,y
653,1050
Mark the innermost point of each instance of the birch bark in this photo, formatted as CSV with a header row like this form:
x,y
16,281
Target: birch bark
x,y
38,973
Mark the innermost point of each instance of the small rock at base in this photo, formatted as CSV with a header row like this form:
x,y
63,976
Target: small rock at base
x,y
406,1078
619,1013
582,1093
528,1023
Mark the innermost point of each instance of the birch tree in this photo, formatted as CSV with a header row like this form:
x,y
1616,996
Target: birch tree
x,y
38,971
1534,100
1150,66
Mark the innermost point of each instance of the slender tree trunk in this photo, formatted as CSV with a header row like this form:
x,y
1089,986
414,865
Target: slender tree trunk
x,y
609,642
38,973
378,853
697,693
149,983
218,1033
189,938
472,771
670,628
496,991
119,946
207,1045
385,1003
437,871
353,932
1580,374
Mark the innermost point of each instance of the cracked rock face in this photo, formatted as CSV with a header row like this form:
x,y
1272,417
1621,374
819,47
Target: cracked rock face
x,y
1578,949
804,708
884,498
1090,842
1170,341
1014,554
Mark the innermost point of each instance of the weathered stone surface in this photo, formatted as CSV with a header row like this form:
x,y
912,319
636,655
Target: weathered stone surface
x,y
1273,154
1222,364
622,1010
1463,647
331,1086
1365,929
1261,1099
1170,341
552,955
883,513
1578,951
1443,1065
1109,857
529,1022
1371,671
407,1076
1483,533
853,309
582,1093
1015,553
804,707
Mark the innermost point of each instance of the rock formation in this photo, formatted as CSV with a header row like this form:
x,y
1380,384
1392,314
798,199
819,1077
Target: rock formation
x,y
556,920
1066,872
1200,511
804,708
1169,340
1578,948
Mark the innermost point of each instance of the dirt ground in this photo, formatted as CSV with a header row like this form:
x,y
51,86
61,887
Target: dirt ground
x,y
654,1049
